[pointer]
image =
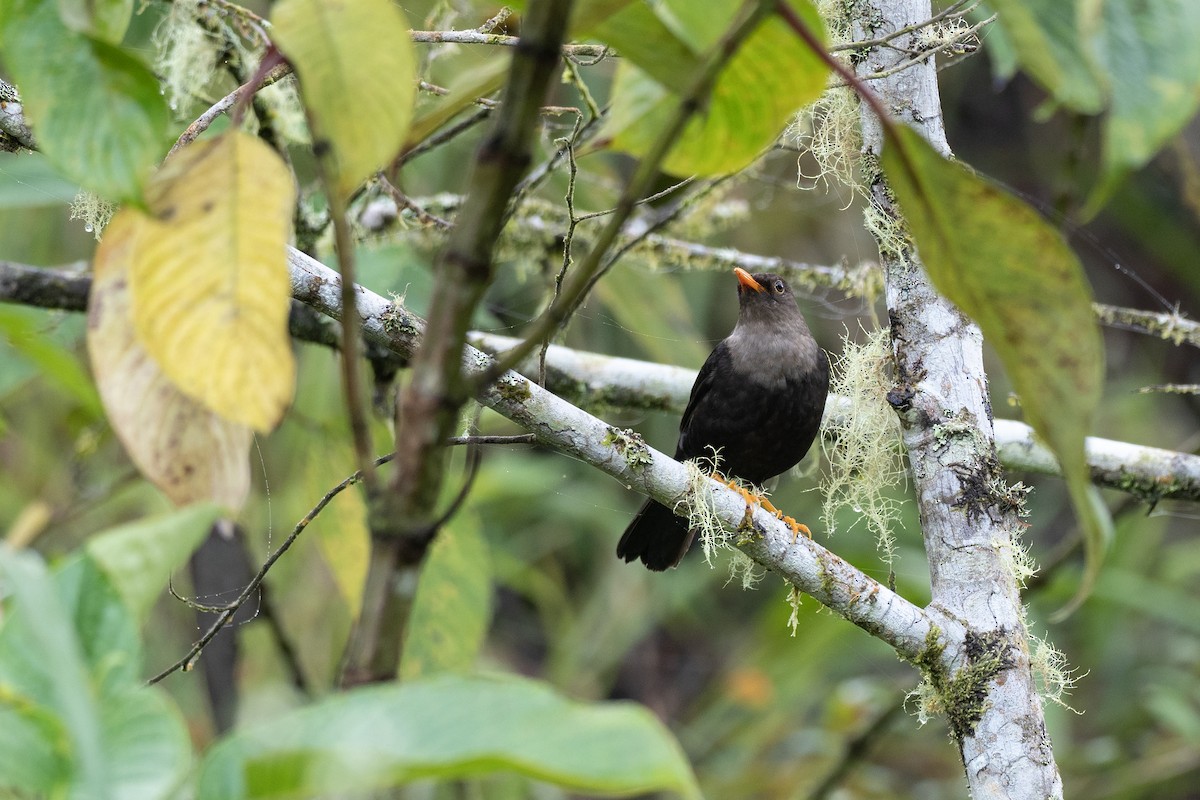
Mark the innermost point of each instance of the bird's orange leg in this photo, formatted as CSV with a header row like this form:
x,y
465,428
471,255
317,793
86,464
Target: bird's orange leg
x,y
759,500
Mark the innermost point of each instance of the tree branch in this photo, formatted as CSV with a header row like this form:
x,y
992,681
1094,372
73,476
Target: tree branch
x,y
946,423
595,380
403,518
12,117
596,51
622,455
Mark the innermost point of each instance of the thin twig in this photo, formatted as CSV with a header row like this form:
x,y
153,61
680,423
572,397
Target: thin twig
x,y
568,146
477,37
867,44
226,612
351,344
404,201
639,184
205,120
440,138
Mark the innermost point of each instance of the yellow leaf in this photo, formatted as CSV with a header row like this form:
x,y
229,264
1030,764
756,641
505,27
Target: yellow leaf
x,y
357,76
341,529
183,448
210,280
769,77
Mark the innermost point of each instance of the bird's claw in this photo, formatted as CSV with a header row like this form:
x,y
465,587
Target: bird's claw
x,y
753,499
797,528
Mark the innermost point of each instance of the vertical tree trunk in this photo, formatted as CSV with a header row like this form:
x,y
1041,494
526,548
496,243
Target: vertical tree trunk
x,y
969,522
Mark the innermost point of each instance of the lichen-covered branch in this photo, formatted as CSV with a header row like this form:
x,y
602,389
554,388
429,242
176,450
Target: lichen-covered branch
x,y
969,526
1173,327
13,127
544,222
622,455
595,380
591,51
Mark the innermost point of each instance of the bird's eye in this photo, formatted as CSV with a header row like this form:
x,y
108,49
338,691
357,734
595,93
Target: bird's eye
x,y
778,287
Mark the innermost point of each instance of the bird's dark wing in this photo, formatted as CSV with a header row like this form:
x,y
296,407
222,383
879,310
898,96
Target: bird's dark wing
x,y
717,363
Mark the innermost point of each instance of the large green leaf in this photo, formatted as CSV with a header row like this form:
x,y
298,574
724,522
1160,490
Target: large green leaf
x,y
771,76
1046,36
1150,56
1002,265
77,719
642,37
95,109
452,607
1137,60
103,19
42,667
28,332
448,727
138,558
357,75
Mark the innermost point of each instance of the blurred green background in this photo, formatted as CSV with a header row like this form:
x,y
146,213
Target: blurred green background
x,y
761,712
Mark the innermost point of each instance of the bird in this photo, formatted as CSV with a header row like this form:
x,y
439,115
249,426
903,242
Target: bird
x,y
757,401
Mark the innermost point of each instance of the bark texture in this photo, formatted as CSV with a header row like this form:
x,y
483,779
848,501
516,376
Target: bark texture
x,y
969,522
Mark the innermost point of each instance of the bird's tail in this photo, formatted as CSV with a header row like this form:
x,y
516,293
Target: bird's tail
x,y
656,536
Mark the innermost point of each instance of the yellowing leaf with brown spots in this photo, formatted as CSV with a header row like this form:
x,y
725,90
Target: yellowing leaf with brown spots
x,y
210,279
183,448
357,76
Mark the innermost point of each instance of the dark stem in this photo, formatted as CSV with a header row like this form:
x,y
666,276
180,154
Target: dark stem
x,y
583,277
403,519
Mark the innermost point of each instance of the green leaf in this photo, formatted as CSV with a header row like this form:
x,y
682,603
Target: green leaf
x,y
103,19
1047,37
95,109
587,14
146,743
1150,56
663,318
139,558
357,75
771,76
1138,60
31,758
452,607
106,630
77,719
41,660
448,727
25,329
641,36
1002,265
28,180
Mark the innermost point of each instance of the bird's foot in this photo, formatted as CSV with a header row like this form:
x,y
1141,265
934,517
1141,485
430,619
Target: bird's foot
x,y
753,499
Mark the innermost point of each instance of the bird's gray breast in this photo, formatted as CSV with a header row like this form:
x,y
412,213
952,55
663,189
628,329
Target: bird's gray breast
x,y
771,361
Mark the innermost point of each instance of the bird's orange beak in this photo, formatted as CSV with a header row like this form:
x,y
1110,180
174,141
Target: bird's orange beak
x,y
746,280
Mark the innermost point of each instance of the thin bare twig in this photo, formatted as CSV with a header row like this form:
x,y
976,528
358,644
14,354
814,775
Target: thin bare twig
x,y
222,106
639,184
497,39
226,612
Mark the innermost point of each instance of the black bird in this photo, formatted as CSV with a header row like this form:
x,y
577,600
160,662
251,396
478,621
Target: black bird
x,y
758,399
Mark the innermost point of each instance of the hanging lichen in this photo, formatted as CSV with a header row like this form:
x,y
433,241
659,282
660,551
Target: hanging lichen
x,y
862,444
